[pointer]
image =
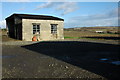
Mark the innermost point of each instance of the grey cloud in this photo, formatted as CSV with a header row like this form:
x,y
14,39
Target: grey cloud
x,y
104,19
45,5
86,23
2,24
65,7
16,0
108,15
21,9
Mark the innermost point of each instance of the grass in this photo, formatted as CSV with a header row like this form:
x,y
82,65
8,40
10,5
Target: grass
x,y
77,34
71,37
79,38
91,38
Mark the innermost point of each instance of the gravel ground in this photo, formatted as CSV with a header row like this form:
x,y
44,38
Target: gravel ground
x,y
83,40
59,59
28,64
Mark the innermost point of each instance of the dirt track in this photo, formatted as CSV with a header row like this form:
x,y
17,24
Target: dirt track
x,y
63,59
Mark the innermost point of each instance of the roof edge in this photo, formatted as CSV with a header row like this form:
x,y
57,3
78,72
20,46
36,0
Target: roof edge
x,y
32,16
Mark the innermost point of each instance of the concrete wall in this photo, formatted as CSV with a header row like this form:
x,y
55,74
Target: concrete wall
x,y
45,29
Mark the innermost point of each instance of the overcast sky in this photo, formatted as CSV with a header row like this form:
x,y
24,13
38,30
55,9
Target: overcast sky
x,y
75,14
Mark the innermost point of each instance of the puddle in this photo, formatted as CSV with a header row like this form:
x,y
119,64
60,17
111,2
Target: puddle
x,y
66,58
110,61
104,59
116,62
6,56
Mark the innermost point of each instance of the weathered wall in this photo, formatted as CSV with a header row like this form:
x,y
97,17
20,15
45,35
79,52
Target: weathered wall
x,y
18,28
11,27
45,29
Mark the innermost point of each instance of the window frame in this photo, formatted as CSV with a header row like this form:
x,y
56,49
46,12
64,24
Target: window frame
x,y
36,27
54,28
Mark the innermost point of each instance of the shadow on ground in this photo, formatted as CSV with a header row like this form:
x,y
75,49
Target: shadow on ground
x,y
85,55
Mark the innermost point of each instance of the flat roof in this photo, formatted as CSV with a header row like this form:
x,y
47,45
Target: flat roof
x,y
31,16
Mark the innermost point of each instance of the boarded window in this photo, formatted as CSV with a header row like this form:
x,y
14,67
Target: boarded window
x,y
53,28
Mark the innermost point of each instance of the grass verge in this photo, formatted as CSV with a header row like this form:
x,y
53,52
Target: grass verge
x,y
79,38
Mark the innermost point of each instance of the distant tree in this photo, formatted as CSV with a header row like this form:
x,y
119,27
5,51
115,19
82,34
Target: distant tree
x,y
4,29
108,32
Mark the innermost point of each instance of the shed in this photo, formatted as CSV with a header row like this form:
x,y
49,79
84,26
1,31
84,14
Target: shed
x,y
26,26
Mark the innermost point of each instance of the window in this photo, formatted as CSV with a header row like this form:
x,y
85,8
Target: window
x,y
54,28
36,28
